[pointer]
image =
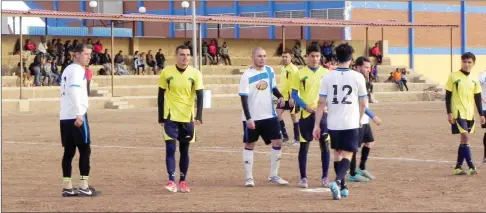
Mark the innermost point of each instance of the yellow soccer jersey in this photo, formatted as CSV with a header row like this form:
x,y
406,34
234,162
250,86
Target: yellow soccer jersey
x,y
307,83
180,92
463,88
286,75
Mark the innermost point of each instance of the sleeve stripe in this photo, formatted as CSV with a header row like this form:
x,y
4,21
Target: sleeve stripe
x,y
243,94
323,95
75,85
363,96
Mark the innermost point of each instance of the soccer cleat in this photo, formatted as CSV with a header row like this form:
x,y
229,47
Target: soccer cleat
x,y
366,174
358,178
249,182
335,190
295,143
89,192
69,193
459,171
183,187
285,139
472,172
171,186
303,183
278,180
345,192
325,183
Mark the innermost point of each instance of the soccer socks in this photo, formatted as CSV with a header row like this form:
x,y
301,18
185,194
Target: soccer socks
x,y
282,128
66,182
467,155
84,182
248,162
184,160
325,157
170,148
342,169
304,147
275,156
352,167
365,151
460,157
297,135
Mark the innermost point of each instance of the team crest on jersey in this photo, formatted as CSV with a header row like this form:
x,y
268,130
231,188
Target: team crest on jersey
x,y
262,85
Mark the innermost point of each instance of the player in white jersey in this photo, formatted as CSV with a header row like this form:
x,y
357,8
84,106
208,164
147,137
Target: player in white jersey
x,y
482,80
257,85
347,94
74,122
363,66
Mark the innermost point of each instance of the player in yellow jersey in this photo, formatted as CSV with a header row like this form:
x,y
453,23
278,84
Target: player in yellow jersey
x,y
287,73
463,91
179,85
305,92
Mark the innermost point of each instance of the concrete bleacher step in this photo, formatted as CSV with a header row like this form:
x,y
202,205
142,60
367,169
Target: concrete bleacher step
x,y
118,104
100,93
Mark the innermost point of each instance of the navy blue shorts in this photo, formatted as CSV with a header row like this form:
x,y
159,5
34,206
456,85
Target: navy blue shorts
x,y
346,140
269,129
72,135
306,126
181,131
463,126
366,134
293,110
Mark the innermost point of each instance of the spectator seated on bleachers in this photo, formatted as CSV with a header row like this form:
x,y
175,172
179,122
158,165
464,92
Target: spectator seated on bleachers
x,y
120,64
160,59
30,46
375,52
213,51
298,55
151,61
224,52
404,77
397,78
42,46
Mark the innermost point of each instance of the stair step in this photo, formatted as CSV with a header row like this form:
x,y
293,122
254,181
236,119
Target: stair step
x,y
119,103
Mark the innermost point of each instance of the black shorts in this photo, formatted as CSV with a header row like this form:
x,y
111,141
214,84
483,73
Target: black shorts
x,y
294,109
484,125
269,129
306,127
347,140
181,131
72,135
462,126
366,134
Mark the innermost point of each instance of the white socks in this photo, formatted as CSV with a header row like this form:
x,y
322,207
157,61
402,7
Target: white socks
x,y
275,156
66,183
248,163
84,182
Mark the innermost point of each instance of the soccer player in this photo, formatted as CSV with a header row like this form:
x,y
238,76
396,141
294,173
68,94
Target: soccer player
x,y
347,103
257,85
482,80
363,66
288,71
178,86
305,92
74,122
462,93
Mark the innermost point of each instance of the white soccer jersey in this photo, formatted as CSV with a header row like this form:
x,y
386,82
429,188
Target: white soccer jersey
x,y
482,80
343,88
74,94
258,85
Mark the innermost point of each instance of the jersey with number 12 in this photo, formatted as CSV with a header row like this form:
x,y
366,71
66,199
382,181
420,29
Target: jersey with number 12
x,y
343,89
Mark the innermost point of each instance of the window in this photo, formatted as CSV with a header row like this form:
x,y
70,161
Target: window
x,y
290,14
221,26
263,14
180,26
333,13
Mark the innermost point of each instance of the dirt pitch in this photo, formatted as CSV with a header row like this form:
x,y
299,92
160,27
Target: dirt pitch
x,y
413,163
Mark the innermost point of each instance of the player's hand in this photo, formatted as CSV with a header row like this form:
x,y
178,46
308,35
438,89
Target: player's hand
x,y
316,133
79,121
377,120
483,120
281,102
198,122
451,119
310,109
484,100
250,124
325,109
291,102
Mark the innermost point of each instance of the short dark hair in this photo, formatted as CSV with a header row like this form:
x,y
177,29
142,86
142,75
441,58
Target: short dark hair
x,y
344,52
468,55
80,47
182,47
313,48
360,60
287,51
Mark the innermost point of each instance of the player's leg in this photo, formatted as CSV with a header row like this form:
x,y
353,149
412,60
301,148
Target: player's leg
x,y
250,136
368,143
466,150
280,111
306,126
171,132
83,142
67,140
271,135
484,139
461,127
325,154
295,121
186,135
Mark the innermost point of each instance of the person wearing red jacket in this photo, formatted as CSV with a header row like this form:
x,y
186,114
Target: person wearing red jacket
x,y
375,52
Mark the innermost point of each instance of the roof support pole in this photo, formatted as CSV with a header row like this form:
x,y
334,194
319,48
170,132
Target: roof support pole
x,y
200,46
382,34
112,59
21,58
45,31
451,49
283,38
194,33
367,52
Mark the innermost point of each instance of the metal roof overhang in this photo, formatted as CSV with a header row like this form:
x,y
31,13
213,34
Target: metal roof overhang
x,y
218,19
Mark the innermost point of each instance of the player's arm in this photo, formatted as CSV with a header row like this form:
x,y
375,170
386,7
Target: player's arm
x,y
320,108
363,95
370,114
448,99
161,97
243,92
199,96
76,91
295,92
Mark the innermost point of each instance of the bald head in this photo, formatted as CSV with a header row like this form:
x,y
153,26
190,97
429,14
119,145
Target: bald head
x,y
259,57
